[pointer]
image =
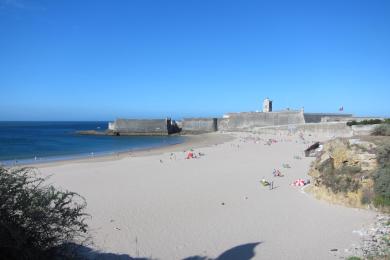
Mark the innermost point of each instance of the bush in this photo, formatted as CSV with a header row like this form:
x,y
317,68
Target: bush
x,y
382,176
349,170
367,195
37,221
366,122
383,154
344,179
383,130
382,187
354,258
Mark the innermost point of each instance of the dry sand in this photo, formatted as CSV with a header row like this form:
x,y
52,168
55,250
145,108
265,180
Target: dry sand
x,y
153,205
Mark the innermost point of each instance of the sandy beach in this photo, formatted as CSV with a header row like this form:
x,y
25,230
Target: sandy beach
x,y
158,204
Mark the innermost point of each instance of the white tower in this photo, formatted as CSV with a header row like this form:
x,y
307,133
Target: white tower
x,y
267,105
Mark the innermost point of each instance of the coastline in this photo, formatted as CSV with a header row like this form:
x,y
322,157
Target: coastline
x,y
190,141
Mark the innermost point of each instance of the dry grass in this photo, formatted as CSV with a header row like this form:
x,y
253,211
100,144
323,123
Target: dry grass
x,y
349,199
345,174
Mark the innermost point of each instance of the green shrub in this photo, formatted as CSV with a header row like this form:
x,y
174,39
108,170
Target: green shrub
x,y
354,258
383,130
349,170
380,201
366,122
326,167
383,154
37,221
344,179
382,187
382,176
371,122
367,195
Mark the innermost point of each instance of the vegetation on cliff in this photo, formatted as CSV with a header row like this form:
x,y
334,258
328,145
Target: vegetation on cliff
x,y
369,122
382,176
364,122
382,130
354,172
38,221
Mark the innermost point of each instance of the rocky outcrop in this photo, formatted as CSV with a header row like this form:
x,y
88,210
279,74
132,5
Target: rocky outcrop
x,y
351,152
375,241
343,171
94,132
346,172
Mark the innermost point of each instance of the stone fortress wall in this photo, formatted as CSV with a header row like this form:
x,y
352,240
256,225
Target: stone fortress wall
x,y
327,129
197,125
326,117
248,120
142,126
264,121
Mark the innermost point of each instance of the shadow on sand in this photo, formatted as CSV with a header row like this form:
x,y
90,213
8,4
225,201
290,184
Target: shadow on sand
x,y
241,252
91,254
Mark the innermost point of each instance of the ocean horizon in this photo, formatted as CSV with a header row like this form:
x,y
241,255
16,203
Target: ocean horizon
x,y
28,142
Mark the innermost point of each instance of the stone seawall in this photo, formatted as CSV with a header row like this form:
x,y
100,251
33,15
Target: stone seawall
x,y
141,126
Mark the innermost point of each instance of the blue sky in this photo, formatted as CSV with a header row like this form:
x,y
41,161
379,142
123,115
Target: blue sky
x,y
99,60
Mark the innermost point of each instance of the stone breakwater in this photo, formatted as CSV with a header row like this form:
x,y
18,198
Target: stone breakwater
x,y
94,132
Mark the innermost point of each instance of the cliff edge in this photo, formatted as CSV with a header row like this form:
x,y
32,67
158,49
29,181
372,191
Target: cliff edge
x,y
354,172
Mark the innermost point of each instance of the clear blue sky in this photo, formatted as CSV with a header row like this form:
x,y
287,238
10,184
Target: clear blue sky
x,y
98,60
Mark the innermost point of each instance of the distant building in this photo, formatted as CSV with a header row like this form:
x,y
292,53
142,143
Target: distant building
x,y
267,105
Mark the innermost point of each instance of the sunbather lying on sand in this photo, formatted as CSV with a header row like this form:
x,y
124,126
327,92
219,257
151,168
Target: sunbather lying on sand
x,y
277,173
264,182
300,182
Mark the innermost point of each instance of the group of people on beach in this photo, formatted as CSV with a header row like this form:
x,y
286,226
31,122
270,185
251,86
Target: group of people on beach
x,y
278,172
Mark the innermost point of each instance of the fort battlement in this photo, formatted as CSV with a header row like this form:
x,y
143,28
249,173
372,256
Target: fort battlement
x,y
241,121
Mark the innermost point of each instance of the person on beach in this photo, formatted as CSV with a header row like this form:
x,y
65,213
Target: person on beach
x,y
265,182
190,155
277,173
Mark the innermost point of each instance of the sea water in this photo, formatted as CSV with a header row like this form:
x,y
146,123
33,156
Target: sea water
x,y
29,142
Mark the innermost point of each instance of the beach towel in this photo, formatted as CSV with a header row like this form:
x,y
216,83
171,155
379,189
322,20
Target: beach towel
x,y
264,182
300,182
277,173
190,155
